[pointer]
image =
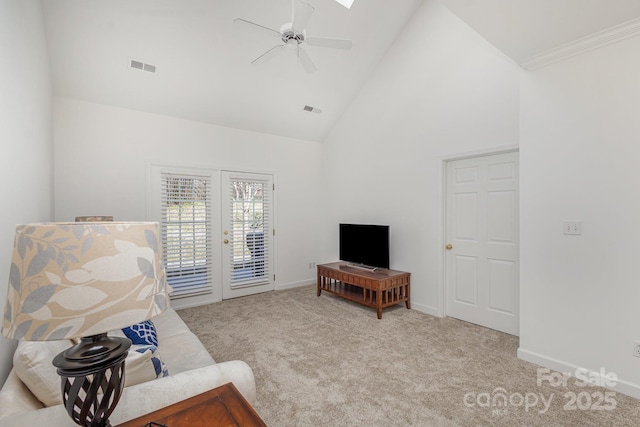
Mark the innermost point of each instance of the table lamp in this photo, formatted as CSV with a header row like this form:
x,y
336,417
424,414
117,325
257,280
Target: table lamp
x,y
80,281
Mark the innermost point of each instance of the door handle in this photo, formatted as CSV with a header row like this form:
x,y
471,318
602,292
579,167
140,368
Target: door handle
x,y
449,247
226,241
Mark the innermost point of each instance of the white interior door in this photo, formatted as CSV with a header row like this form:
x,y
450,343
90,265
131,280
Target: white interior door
x,y
482,246
247,233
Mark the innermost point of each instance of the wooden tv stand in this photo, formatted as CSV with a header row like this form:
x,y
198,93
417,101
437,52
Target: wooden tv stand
x,y
378,289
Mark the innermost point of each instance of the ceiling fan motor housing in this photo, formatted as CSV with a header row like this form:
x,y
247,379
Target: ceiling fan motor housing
x,y
289,35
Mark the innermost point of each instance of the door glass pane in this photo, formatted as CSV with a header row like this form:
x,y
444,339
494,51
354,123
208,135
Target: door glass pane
x,y
248,227
185,230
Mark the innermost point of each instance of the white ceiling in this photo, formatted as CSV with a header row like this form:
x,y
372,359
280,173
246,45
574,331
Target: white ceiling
x,y
523,29
203,58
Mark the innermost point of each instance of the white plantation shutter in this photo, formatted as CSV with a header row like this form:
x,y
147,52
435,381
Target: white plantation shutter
x,y
250,230
186,206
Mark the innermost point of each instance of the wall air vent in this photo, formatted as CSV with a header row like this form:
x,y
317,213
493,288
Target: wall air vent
x,y
142,66
311,109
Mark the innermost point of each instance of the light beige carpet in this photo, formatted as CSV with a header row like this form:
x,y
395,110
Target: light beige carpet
x,y
324,361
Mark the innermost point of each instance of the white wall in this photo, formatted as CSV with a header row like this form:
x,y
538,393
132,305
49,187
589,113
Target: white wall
x,y
25,134
580,160
102,153
440,90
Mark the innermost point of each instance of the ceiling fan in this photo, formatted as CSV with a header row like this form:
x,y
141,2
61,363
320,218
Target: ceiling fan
x,y
294,36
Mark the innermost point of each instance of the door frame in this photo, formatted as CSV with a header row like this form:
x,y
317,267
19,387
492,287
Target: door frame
x,y
444,160
153,214
250,289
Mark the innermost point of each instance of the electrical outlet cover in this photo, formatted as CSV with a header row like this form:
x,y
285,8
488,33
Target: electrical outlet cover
x,y
572,227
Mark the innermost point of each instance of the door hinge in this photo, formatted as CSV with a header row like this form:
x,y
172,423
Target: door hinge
x,y
274,187
274,277
274,231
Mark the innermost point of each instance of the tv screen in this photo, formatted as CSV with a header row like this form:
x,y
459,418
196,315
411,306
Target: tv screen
x,y
365,244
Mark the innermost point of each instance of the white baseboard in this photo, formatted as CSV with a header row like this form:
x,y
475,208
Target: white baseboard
x,y
621,386
427,309
291,285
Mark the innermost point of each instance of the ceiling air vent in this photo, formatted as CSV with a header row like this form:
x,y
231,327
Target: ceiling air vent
x,y
311,109
142,66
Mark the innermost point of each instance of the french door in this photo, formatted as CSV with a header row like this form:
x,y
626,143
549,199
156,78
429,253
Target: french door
x,y
247,233
482,245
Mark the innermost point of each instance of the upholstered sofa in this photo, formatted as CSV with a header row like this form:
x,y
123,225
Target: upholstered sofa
x,y
191,370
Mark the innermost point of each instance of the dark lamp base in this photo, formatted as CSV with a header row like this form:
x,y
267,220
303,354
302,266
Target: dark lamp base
x,y
92,374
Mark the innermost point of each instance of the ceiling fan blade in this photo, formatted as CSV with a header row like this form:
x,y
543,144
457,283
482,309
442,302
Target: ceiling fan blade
x,y
332,43
269,54
306,61
301,16
256,27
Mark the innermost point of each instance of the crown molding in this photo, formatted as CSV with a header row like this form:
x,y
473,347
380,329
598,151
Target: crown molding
x,y
585,44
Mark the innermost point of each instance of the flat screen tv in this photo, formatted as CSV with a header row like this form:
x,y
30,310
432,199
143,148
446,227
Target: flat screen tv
x,y
364,244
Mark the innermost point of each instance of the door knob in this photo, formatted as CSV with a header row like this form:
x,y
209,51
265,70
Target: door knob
x,y
226,241
449,247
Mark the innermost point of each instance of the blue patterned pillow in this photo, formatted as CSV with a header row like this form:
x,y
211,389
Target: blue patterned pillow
x,y
142,333
144,338
158,365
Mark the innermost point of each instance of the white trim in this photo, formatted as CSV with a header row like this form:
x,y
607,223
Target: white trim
x,y
153,208
622,386
292,285
442,291
585,44
228,289
441,220
426,309
481,152
196,301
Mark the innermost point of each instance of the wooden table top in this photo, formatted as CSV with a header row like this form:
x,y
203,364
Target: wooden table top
x,y
378,273
222,406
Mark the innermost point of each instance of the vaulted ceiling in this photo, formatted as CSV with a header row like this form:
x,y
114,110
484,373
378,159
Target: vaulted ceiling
x,y
202,59
526,29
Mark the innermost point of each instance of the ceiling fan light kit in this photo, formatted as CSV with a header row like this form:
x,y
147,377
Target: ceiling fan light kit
x,y
293,35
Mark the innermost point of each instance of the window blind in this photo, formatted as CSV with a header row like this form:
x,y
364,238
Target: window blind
x,y
186,232
250,204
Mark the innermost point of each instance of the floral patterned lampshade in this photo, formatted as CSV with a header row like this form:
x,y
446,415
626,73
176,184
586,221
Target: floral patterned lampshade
x,y
71,280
